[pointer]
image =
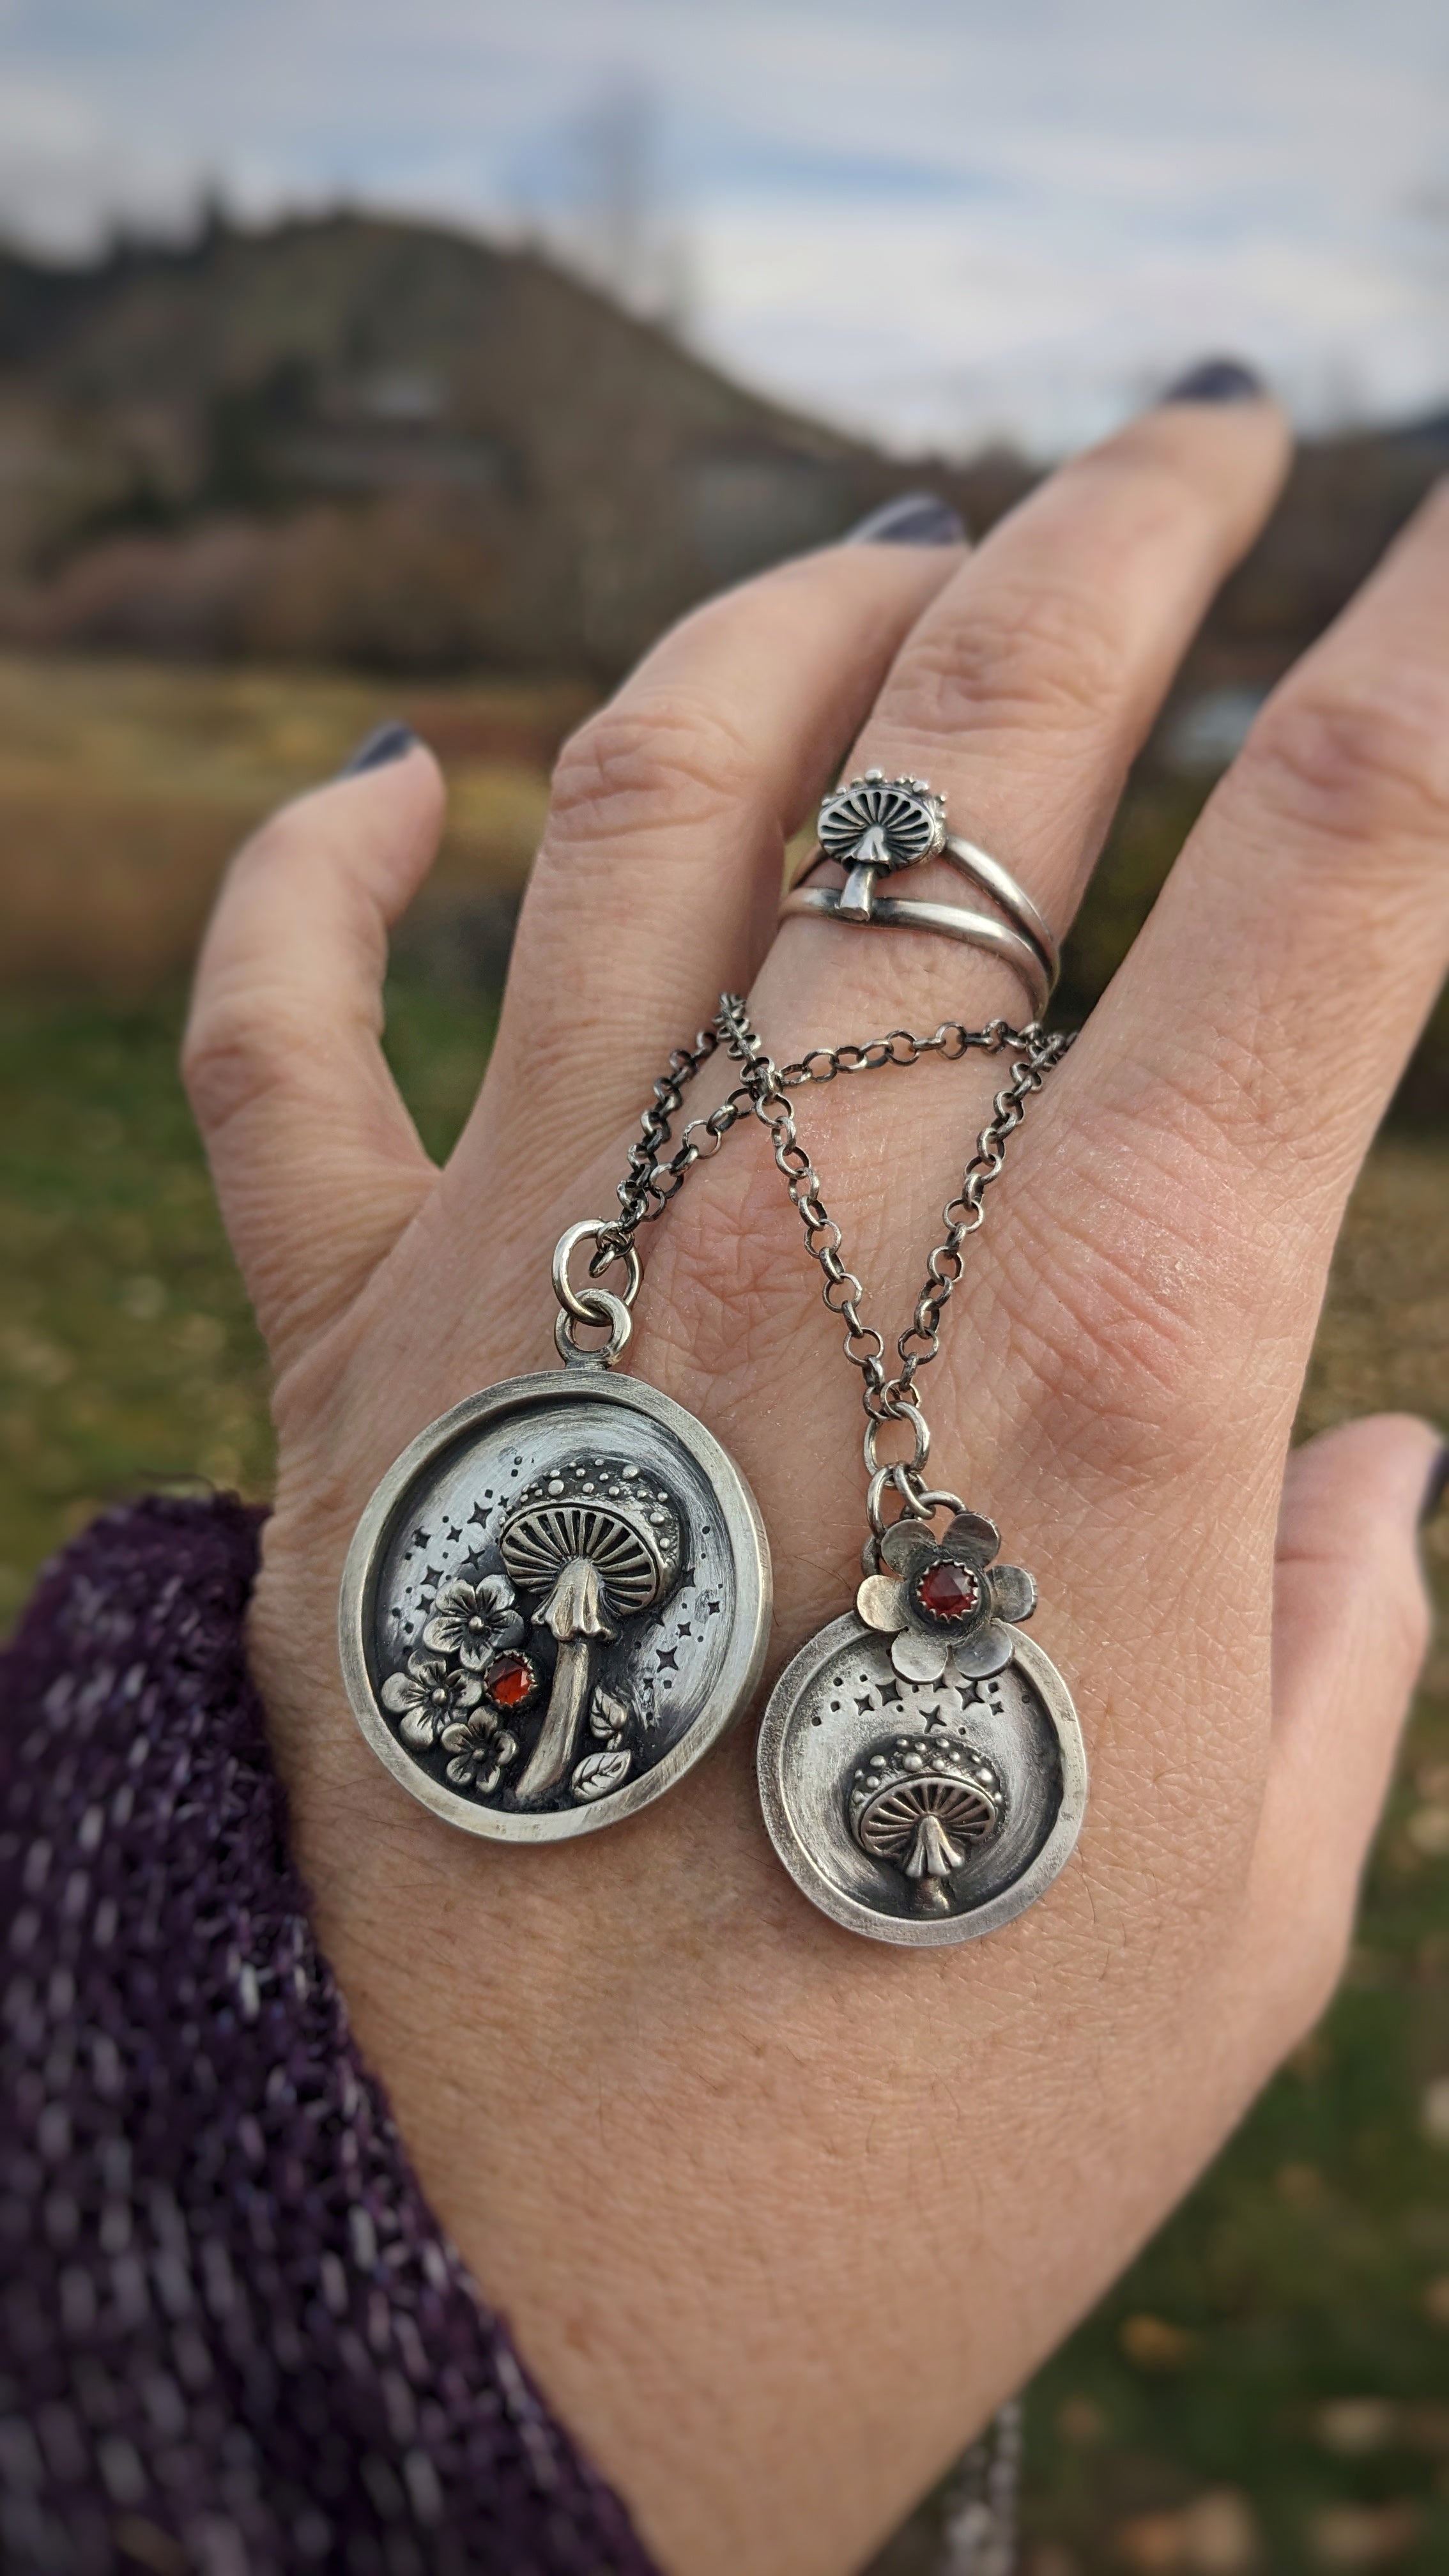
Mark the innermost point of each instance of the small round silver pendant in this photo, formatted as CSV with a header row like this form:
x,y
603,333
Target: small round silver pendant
x,y
556,1601
920,1812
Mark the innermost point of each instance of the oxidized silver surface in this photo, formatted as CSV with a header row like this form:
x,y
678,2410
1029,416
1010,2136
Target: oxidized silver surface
x,y
556,1602
920,1812
875,825
882,822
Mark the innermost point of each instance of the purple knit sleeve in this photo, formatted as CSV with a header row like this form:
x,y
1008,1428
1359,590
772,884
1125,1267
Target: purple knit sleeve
x,y
233,2337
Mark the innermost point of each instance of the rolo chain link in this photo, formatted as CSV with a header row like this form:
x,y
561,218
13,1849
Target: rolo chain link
x,y
654,1177
887,1396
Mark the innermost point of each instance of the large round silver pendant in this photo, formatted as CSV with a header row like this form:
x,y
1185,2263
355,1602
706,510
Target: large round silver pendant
x,y
920,1812
556,1601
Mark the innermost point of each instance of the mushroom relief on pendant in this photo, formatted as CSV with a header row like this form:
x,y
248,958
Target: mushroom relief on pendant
x,y
601,1543
920,1803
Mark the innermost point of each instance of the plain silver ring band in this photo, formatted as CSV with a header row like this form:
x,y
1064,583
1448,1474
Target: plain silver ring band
x,y
975,929
1014,900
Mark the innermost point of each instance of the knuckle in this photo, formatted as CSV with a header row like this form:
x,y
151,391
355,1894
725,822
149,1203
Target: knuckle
x,y
665,758
1349,764
234,1054
1035,658
1113,1316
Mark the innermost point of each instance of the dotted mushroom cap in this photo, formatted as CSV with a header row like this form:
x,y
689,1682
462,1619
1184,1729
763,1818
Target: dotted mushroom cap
x,y
620,1518
927,1757
910,818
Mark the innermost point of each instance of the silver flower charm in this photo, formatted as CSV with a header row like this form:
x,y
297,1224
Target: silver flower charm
x,y
481,1751
474,1621
427,1698
944,1605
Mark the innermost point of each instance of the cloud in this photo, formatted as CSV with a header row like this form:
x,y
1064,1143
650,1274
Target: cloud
x,y
65,172
937,217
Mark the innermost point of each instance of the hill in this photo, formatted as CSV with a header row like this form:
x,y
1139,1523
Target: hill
x,y
360,440
367,440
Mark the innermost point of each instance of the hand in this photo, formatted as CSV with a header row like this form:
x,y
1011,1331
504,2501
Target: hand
x,y
776,2213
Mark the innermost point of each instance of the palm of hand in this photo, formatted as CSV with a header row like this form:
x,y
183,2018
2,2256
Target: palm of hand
x,y
777,2214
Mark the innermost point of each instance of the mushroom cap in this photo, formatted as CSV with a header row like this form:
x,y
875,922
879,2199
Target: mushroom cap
x,y
917,1777
909,819
618,1519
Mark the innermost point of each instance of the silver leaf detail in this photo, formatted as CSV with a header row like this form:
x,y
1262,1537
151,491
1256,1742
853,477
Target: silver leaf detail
x,y
608,1716
598,1773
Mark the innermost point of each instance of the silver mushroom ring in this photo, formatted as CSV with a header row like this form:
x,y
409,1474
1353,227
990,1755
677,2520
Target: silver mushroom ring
x,y
877,827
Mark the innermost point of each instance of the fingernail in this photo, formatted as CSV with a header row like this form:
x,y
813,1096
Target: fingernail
x,y
912,519
386,742
1436,1488
1217,380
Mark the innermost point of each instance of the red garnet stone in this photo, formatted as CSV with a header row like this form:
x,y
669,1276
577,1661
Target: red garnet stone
x,y
510,1681
948,1591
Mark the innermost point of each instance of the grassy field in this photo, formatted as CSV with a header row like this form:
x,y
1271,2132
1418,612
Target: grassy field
x,y
124,787
1269,2389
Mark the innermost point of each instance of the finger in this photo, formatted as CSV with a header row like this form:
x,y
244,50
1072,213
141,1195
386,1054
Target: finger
x,y
1023,692
660,871
318,1166
1284,975
1351,1623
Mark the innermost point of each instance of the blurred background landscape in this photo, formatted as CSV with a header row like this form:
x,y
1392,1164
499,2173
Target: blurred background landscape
x,y
307,419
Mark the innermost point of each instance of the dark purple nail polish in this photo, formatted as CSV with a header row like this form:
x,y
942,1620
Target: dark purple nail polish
x,y
1217,380
912,519
1436,1488
387,742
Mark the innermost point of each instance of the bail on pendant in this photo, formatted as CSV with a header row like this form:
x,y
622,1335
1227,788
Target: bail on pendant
x,y
592,1305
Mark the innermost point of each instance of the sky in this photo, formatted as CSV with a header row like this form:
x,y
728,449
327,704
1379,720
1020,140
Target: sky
x,y
938,221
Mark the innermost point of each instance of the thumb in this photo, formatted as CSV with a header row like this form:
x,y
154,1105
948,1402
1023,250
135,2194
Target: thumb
x,y
317,1164
1351,1625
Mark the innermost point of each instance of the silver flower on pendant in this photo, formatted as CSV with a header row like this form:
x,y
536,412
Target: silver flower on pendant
x,y
942,1602
481,1751
474,1621
427,1698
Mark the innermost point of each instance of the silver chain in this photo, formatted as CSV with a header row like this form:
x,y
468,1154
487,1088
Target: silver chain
x,y
655,1175
979,2533
652,1178
888,1397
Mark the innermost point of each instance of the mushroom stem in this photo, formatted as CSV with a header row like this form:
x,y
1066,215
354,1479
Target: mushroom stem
x,y
933,1857
931,1897
574,1611
857,895
559,1734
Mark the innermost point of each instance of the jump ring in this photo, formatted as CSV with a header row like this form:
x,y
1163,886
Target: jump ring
x,y
922,1504
596,1306
574,1302
882,1483
920,1435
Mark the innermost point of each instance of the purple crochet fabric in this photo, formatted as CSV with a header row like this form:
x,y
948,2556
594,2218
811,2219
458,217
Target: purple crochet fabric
x,y
232,2336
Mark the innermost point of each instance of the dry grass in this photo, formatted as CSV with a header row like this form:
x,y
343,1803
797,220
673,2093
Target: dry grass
x,y
125,787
